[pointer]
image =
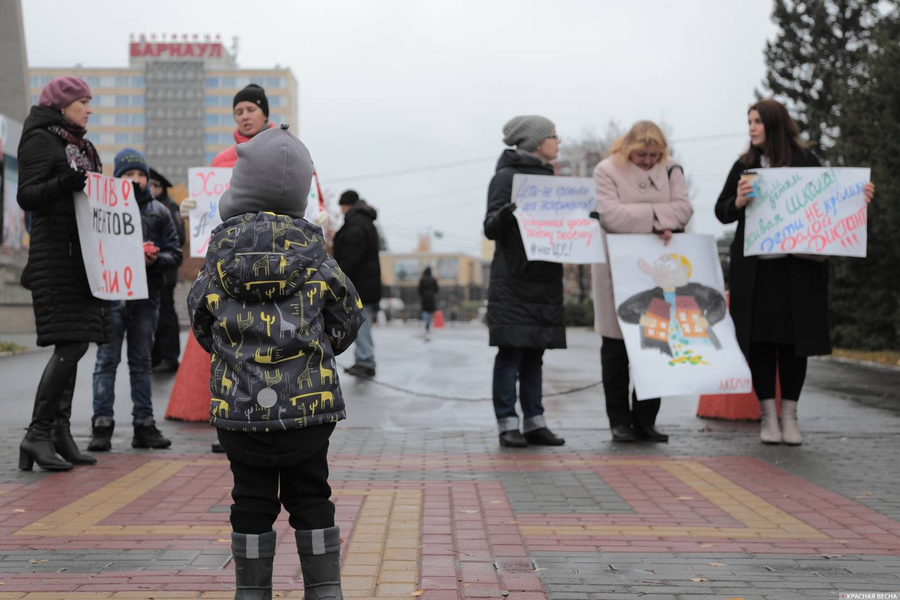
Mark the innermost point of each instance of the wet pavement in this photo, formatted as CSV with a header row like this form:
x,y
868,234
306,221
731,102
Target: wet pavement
x,y
430,506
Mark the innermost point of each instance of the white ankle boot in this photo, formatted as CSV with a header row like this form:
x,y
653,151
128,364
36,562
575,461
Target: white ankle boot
x,y
770,430
791,435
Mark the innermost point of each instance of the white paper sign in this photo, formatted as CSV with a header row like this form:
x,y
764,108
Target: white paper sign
x,y
112,239
205,185
554,218
670,303
814,210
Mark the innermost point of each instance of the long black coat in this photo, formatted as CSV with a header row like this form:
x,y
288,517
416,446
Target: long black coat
x,y
808,278
64,308
356,251
525,299
428,289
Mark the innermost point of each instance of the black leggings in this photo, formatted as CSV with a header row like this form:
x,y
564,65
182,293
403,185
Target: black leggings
x,y
770,362
58,373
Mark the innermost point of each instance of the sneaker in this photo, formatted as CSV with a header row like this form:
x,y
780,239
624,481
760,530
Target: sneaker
x,y
101,435
543,437
166,366
513,439
146,435
360,371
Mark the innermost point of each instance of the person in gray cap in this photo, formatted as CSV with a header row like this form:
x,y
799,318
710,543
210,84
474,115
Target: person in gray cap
x,y
273,310
525,299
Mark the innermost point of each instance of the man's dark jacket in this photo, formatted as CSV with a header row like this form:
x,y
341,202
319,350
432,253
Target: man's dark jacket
x,y
356,251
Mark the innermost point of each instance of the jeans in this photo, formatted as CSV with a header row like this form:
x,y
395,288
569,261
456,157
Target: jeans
x,y
524,365
427,317
136,320
365,346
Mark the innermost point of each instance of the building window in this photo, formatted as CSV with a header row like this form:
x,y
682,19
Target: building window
x,y
209,156
228,82
212,82
34,81
138,138
277,119
122,119
211,101
122,82
137,101
276,100
34,99
92,137
274,82
121,100
212,139
212,119
93,82
138,119
137,82
123,138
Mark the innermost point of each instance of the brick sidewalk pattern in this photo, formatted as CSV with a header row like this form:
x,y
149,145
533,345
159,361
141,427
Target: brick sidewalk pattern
x,y
452,516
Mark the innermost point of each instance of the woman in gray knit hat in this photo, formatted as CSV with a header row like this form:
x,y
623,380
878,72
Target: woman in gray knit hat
x,y
525,299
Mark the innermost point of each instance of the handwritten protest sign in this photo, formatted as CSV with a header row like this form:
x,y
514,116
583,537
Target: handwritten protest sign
x,y
817,210
554,219
670,303
112,240
206,185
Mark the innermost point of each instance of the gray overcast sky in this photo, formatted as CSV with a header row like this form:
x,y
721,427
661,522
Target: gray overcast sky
x,y
391,85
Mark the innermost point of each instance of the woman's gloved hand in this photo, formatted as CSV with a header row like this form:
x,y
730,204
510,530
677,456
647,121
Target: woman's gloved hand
x,y
73,181
186,206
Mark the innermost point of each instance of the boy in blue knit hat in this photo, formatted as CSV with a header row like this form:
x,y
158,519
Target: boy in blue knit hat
x,y
135,319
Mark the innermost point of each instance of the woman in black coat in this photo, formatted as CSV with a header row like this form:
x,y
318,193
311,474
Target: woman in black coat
x,y
779,303
525,299
428,289
53,160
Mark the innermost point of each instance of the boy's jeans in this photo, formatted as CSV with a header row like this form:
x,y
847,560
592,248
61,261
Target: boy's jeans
x,y
135,319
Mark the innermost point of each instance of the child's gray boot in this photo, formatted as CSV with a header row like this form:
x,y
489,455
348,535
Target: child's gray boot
x,y
320,561
253,558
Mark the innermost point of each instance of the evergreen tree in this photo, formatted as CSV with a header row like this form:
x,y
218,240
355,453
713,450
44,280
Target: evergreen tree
x,y
818,52
865,294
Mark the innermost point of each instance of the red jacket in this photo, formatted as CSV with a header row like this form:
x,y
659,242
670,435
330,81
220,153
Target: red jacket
x,y
228,156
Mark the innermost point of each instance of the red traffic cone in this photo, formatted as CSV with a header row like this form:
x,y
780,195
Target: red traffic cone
x,y
438,319
190,396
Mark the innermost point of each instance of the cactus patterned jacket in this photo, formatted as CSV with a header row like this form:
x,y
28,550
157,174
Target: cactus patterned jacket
x,y
273,310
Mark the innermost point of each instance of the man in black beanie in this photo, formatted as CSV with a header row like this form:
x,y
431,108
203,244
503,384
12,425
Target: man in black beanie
x,y
251,115
166,345
356,251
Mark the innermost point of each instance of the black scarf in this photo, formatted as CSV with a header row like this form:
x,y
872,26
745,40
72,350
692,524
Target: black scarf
x,y
79,151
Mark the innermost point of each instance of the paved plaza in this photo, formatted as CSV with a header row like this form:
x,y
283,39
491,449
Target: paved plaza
x,y
431,507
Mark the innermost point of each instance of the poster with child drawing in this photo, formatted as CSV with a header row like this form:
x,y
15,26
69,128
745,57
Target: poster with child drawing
x,y
670,303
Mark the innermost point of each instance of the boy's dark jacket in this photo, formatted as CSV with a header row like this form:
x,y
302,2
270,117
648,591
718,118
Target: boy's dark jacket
x,y
273,310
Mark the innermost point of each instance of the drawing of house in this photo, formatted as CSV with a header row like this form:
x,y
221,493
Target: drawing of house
x,y
658,312
687,311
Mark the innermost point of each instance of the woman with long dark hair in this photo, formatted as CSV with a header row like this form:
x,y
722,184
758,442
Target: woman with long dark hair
x,y
54,158
779,303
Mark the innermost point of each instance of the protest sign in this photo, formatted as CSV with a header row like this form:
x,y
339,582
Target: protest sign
x,y
812,210
670,303
554,219
205,185
112,239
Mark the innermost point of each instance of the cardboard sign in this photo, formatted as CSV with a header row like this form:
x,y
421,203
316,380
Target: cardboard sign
x,y
814,210
670,303
205,185
554,219
112,240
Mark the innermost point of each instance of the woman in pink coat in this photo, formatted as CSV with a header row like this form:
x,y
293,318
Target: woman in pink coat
x,y
639,190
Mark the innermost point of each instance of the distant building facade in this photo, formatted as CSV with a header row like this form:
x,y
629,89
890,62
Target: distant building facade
x,y
173,100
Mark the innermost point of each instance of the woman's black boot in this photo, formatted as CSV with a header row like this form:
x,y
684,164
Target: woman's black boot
x,y
61,433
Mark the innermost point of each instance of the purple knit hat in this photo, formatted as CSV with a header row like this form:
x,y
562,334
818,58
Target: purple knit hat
x,y
63,91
